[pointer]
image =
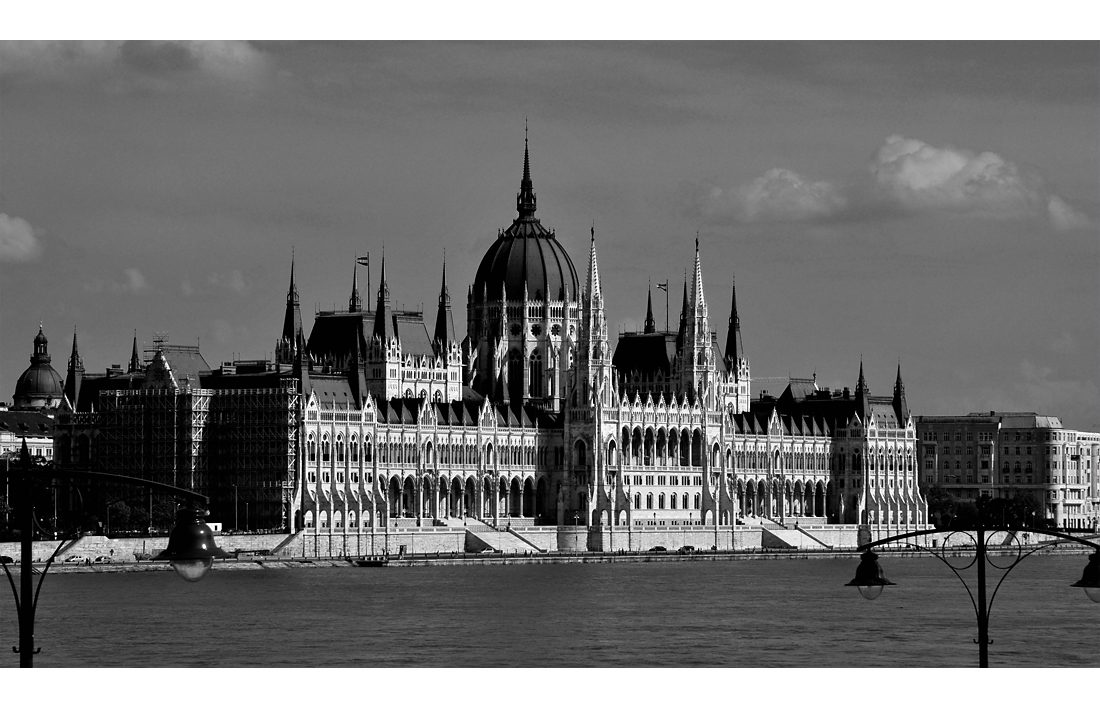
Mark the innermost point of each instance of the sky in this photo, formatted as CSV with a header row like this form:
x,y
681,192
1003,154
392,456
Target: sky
x,y
936,204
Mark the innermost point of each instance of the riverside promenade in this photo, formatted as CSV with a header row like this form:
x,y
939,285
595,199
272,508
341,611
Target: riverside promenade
x,y
252,561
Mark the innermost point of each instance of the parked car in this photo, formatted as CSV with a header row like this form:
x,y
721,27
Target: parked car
x,y
74,558
686,549
658,548
101,559
6,560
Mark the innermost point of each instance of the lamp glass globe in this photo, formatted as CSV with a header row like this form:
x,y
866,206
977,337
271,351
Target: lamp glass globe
x,y
192,570
870,592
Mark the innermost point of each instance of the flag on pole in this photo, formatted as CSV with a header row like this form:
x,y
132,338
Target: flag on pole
x,y
663,286
365,261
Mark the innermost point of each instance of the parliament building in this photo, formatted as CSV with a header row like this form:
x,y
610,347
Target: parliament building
x,y
533,425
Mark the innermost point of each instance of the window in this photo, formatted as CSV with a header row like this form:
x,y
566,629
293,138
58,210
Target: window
x,y
697,499
661,501
649,500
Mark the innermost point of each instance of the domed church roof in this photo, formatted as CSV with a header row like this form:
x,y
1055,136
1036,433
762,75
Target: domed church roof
x,y
526,253
39,386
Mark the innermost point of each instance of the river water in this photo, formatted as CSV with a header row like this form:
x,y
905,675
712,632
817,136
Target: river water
x,y
785,613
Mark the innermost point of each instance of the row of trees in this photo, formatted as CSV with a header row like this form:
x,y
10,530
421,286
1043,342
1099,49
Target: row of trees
x,y
1020,510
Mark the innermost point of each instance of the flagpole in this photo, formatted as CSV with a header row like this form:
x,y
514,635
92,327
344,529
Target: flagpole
x,y
666,305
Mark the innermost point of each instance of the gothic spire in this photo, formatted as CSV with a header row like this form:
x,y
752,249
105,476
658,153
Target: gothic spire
x,y
355,303
525,200
861,384
383,316
135,360
444,326
900,407
650,324
75,374
697,299
292,321
592,287
734,349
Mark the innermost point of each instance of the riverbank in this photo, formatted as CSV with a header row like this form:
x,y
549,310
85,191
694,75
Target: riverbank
x,y
476,559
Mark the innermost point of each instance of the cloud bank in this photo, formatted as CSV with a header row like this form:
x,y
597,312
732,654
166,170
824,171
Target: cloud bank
x,y
780,195
916,176
148,62
18,242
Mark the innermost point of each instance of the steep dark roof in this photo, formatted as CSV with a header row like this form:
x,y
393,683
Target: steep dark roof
x,y
29,423
644,353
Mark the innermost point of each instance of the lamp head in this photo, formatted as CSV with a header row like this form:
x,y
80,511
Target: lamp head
x,y
869,577
1090,578
191,547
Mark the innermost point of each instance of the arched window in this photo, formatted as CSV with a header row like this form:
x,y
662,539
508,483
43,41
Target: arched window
x,y
661,501
697,500
685,504
353,445
611,452
649,500
672,501
515,375
368,452
339,448
311,448
408,393
324,449
637,501
438,398
535,388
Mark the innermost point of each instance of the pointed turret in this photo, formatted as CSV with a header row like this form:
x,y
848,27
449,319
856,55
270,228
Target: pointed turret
x,y
650,324
698,301
355,302
135,360
525,200
901,409
444,325
734,349
383,316
592,287
75,375
292,321
863,403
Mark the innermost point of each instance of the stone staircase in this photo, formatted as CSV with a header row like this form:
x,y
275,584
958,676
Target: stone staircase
x,y
480,536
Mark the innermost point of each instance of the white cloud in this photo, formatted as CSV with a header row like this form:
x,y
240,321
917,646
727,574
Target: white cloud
x,y
778,195
156,60
234,281
918,176
18,242
135,280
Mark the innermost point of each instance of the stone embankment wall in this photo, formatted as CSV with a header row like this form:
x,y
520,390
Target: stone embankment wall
x,y
515,540
127,549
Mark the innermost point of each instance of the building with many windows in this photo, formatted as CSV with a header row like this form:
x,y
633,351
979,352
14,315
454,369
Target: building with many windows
x,y
378,422
1002,454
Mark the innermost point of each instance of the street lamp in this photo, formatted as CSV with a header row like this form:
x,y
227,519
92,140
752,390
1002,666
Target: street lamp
x,y
191,546
870,579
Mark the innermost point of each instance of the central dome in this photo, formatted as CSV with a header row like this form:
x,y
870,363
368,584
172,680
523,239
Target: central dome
x,y
525,253
40,386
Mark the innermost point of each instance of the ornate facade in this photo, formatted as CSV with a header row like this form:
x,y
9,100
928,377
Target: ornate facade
x,y
548,427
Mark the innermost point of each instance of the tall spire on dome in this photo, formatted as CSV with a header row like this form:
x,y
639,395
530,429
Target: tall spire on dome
x,y
135,360
355,302
650,324
861,383
734,349
525,200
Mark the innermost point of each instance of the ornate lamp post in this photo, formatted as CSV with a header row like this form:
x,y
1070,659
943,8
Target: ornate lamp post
x,y
870,579
191,548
